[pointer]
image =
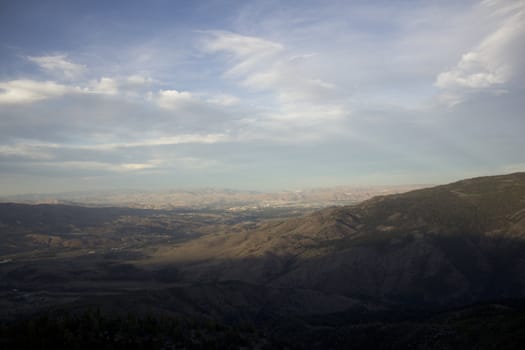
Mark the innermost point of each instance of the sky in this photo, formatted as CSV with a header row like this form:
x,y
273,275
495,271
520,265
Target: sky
x,y
260,95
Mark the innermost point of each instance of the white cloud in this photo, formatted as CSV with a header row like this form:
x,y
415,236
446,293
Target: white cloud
x,y
100,158
164,141
98,166
58,64
24,151
131,86
140,166
302,97
252,58
105,86
224,100
503,7
241,45
167,162
493,62
138,80
102,167
345,78
173,99
27,91
44,150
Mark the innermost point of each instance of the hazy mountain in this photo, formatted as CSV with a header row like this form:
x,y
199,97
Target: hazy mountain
x,y
211,198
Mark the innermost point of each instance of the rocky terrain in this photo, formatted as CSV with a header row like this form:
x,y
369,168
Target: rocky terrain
x,y
423,267
458,243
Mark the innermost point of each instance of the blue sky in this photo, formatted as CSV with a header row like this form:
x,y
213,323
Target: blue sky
x,y
261,95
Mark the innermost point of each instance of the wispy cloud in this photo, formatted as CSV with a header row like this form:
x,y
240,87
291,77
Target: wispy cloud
x,y
494,61
264,66
173,99
226,100
28,91
23,151
58,65
263,92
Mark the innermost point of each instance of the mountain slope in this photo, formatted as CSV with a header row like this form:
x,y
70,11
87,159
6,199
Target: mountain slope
x,y
460,243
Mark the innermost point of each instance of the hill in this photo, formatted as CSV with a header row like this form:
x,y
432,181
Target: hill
x,y
431,268
457,243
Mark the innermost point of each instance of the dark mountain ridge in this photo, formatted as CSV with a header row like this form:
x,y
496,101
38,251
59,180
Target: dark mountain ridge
x,y
456,243
391,272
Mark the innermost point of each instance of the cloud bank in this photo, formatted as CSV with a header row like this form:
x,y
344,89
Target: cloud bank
x,y
265,96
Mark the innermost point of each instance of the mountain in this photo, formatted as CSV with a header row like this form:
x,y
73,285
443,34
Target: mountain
x,y
453,244
210,198
434,268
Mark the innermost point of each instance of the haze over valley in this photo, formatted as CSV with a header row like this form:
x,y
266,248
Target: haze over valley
x,y
222,199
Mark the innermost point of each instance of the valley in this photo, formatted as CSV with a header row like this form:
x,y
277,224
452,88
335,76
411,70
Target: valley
x,y
298,275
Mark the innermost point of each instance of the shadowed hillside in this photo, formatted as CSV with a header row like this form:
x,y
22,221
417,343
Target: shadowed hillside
x,y
461,242
395,268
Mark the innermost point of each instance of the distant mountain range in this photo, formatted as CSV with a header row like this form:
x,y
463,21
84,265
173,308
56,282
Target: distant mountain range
x,y
210,198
